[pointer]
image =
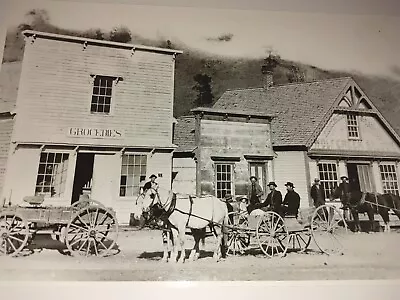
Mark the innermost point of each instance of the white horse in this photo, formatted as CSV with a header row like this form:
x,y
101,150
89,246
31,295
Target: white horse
x,y
196,214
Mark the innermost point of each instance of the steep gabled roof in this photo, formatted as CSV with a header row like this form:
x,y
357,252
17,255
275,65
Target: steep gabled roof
x,y
184,135
301,109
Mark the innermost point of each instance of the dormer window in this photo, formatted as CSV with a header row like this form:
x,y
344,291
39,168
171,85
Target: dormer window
x,y
352,127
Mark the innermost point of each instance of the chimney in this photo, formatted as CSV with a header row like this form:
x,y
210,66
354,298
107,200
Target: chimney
x,y
267,71
268,77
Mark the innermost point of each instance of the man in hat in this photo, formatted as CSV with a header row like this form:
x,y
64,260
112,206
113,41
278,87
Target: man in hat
x,y
254,194
291,203
344,192
274,199
317,193
150,184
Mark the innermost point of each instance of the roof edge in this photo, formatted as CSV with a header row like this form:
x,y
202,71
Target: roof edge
x,y
243,113
70,38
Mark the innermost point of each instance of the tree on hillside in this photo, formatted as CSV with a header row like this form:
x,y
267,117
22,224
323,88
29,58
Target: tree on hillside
x,y
121,34
205,96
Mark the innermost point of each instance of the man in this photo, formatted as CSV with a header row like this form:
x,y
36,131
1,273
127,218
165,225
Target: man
x,y
291,203
150,184
254,193
274,199
344,192
317,193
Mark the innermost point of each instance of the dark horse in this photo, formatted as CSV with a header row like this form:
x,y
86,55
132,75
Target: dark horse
x,y
370,203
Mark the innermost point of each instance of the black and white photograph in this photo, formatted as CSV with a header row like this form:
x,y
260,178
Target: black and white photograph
x,y
230,141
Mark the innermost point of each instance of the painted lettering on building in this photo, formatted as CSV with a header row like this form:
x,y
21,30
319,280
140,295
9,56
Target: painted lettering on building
x,y
95,132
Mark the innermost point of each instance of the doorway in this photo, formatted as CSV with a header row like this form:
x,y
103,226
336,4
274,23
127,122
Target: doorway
x,y
259,170
83,174
360,177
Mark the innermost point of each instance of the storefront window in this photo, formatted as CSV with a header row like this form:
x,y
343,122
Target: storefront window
x,y
389,178
52,174
133,172
224,179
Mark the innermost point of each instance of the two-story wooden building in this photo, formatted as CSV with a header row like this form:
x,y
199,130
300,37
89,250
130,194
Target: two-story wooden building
x,y
89,114
323,129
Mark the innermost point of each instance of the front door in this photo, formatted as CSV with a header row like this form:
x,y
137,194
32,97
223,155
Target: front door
x,y
258,169
83,174
360,177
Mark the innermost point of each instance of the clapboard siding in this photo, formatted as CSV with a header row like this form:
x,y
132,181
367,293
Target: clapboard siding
x,y
56,88
291,166
374,137
231,139
6,126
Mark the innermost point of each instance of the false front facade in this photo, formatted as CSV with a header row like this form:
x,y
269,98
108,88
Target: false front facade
x,y
91,116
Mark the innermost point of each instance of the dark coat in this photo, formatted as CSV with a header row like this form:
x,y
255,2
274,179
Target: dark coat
x,y
291,203
149,185
274,199
318,195
258,193
344,191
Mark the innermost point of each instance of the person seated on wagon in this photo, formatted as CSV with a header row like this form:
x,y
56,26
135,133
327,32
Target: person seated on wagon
x,y
243,205
150,184
273,201
291,203
254,194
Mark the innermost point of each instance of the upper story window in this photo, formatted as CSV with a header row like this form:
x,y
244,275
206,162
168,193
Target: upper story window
x,y
102,94
352,127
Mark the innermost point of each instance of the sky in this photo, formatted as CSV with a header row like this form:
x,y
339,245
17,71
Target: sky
x,y
354,35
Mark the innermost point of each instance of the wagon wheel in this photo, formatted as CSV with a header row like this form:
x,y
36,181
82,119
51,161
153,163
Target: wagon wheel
x,y
272,234
327,228
93,230
83,203
14,233
299,240
238,238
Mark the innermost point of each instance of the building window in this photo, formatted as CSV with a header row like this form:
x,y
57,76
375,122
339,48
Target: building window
x,y
352,127
133,172
224,179
328,177
389,178
52,174
101,96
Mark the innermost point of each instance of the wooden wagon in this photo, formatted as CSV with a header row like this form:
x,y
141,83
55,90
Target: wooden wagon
x,y
275,235
87,227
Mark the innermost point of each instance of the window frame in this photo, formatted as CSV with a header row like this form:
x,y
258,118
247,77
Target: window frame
x,y
120,185
232,180
64,172
115,80
353,127
335,182
395,181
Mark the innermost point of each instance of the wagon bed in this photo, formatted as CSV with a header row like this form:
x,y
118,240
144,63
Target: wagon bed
x,y
87,227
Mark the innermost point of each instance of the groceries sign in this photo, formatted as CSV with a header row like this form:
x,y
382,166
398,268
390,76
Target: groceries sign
x,y
95,133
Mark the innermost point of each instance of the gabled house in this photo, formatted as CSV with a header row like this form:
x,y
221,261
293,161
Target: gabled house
x,y
322,129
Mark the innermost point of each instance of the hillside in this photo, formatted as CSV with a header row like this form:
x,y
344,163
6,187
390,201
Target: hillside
x,y
226,73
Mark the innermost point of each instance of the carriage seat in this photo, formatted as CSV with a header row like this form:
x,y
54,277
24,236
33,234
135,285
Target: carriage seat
x,y
34,200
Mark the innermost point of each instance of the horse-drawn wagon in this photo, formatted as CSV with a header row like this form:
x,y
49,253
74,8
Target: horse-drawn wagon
x,y
87,227
275,235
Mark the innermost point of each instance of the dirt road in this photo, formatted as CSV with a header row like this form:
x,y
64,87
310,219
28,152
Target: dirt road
x,y
367,256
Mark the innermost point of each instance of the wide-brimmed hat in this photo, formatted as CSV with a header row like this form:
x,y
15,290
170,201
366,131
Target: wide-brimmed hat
x,y
272,183
316,179
344,177
228,197
289,184
153,176
253,177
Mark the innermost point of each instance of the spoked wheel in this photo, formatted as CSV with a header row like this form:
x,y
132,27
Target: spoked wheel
x,y
299,241
238,238
272,234
328,228
14,233
83,203
93,230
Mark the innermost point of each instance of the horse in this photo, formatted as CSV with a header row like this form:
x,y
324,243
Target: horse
x,y
165,230
370,203
189,213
